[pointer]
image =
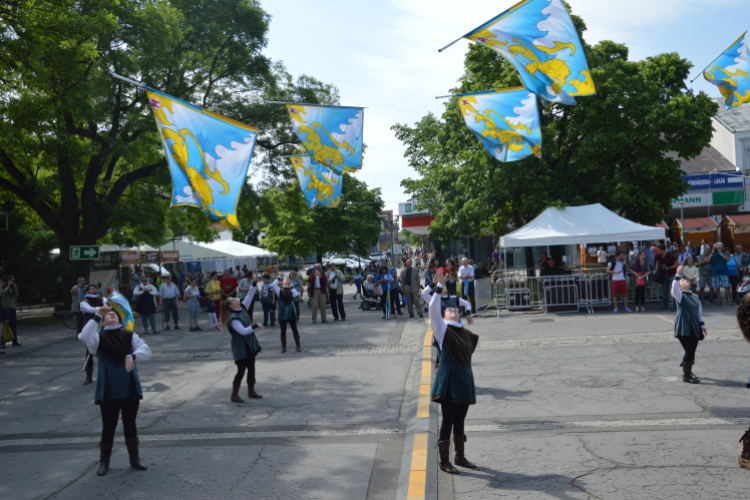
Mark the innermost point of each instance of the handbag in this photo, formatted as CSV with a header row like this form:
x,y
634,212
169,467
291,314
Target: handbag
x,y
7,333
377,290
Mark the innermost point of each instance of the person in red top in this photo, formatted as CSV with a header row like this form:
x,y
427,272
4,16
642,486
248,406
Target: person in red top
x,y
670,263
229,285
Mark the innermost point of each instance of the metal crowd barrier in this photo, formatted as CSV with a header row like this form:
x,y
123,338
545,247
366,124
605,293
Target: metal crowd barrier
x,y
524,289
482,294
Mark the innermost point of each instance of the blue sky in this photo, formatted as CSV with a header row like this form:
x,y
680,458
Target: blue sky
x,y
383,54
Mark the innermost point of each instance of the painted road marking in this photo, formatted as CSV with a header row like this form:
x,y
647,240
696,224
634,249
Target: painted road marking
x,y
544,426
208,435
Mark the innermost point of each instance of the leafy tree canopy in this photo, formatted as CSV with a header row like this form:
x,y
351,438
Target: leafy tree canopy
x,y
609,148
81,149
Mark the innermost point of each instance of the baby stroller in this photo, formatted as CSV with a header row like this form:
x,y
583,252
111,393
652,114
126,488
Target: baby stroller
x,y
369,300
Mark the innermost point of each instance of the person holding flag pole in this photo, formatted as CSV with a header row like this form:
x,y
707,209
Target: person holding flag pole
x,y
109,334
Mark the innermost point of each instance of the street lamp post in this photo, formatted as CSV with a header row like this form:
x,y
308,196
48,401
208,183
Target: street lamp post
x,y
682,222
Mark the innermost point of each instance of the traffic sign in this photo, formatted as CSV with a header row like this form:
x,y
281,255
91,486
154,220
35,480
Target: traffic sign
x,y
84,252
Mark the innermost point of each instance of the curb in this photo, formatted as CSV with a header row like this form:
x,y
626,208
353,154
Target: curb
x,y
418,477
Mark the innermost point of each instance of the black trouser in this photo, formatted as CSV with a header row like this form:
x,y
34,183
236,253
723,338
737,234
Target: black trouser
x,y
454,415
293,324
337,305
110,410
89,365
383,302
395,300
245,364
640,296
690,344
170,309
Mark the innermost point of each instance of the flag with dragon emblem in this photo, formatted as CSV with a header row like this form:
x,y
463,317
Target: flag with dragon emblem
x,y
331,134
730,71
505,121
539,39
320,185
121,306
208,156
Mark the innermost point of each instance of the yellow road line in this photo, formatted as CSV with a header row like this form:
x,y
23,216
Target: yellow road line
x,y
418,469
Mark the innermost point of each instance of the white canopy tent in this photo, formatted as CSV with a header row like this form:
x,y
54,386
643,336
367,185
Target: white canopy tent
x,y
579,225
222,254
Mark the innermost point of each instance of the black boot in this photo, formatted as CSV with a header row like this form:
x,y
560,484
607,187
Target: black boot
x,y
296,341
445,462
88,380
104,454
135,459
283,343
460,459
236,393
687,374
251,390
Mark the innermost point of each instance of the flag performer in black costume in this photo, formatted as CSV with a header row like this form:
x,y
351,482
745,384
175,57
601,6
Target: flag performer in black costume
x,y
453,386
118,387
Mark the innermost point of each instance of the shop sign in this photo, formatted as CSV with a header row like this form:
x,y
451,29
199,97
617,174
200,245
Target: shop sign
x,y
151,257
691,200
714,181
170,256
128,257
410,208
741,228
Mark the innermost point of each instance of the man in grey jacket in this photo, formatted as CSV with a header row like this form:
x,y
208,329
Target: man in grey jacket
x,y
410,279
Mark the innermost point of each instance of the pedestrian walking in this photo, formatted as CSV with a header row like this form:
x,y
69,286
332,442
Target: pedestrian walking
x,y
268,301
453,387
358,281
245,346
336,292
689,327
213,320
642,270
8,300
77,293
410,279
146,293
691,273
316,287
118,387
287,312
384,279
89,307
168,294
395,290
213,291
618,269
192,298
704,273
602,256
720,273
466,274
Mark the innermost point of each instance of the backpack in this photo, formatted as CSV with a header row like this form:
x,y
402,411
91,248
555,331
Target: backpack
x,y
660,276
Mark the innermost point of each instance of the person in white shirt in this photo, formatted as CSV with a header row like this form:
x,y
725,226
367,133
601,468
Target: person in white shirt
x,y
146,295
287,312
466,275
168,293
118,387
618,269
336,292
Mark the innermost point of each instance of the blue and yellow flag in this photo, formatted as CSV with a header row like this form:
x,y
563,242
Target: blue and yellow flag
x,y
122,307
208,156
332,134
730,71
505,121
320,185
539,39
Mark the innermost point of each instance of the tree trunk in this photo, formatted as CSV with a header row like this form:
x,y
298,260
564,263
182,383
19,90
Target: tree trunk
x,y
75,269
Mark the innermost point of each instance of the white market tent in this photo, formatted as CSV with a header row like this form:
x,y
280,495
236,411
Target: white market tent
x,y
579,225
222,254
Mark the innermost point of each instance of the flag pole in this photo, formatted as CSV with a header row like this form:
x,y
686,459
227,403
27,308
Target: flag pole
x,y
126,80
703,71
454,41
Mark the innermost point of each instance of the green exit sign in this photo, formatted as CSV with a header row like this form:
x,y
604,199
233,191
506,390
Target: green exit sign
x,y
84,252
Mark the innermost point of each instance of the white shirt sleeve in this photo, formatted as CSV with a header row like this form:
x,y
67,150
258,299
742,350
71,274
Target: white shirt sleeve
x,y
90,335
241,329
137,291
467,305
87,308
676,292
141,350
249,297
436,319
275,287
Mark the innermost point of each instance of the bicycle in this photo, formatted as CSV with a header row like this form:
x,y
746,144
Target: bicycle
x,y
70,320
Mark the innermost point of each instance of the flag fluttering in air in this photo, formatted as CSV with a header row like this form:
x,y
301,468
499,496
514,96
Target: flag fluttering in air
x,y
730,71
120,304
539,39
505,121
331,134
320,185
208,156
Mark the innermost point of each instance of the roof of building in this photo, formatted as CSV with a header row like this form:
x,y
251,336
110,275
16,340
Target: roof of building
x,y
709,160
736,119
697,222
739,218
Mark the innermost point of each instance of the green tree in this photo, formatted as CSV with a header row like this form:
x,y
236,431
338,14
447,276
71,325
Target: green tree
x,y
610,148
293,229
81,149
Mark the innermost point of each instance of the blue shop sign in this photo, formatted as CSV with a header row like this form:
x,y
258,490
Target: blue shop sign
x,y
714,181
